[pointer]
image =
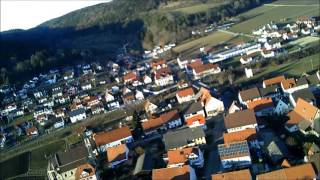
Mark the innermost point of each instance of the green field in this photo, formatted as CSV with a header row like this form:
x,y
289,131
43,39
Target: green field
x,y
190,7
15,166
38,156
292,68
305,41
280,11
212,39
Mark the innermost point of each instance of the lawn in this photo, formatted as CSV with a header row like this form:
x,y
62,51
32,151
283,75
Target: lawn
x,y
38,160
291,68
189,7
212,39
272,12
15,166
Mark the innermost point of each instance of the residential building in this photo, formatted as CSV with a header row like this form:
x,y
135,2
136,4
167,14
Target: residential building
x,y
196,120
117,155
246,96
130,77
109,97
185,172
115,137
282,107
262,107
150,107
290,85
163,77
234,155
233,175
63,165
77,115
205,69
185,95
240,120
192,110
86,172
304,171
187,137
168,120
179,157
249,135
302,117
147,79
304,94
212,105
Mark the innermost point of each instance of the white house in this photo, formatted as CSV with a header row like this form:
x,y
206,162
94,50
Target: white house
x,y
248,95
248,72
185,95
86,86
105,140
205,69
240,120
150,107
109,97
234,155
212,106
77,115
147,79
267,53
163,77
139,95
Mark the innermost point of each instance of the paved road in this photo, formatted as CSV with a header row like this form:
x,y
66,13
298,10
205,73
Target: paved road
x,y
213,164
234,33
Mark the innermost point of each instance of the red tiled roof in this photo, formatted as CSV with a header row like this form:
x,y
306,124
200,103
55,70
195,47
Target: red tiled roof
x,y
260,104
274,80
162,72
116,153
233,175
304,171
198,117
185,92
180,155
87,168
158,62
205,67
162,119
247,134
306,110
175,173
130,76
288,83
103,138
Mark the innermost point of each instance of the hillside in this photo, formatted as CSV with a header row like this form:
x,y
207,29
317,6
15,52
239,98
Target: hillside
x,y
99,32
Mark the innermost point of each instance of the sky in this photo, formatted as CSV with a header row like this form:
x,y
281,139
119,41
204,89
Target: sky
x,y
25,14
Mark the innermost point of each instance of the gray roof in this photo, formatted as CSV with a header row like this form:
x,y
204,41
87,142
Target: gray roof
x,y
305,94
144,163
250,94
313,80
269,90
193,108
71,158
77,112
182,137
301,81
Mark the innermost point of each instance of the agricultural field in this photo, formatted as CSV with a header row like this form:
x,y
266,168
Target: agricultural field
x,y
189,7
280,11
305,41
210,40
292,68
